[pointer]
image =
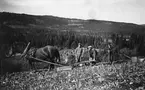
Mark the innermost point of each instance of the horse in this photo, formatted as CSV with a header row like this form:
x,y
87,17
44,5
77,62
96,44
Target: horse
x,y
46,53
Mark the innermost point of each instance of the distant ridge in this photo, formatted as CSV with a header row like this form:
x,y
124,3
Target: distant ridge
x,y
59,23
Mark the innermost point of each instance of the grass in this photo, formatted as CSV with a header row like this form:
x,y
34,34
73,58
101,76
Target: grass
x,y
101,77
123,76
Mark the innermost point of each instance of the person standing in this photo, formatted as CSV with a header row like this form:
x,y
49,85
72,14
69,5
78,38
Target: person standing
x,y
78,52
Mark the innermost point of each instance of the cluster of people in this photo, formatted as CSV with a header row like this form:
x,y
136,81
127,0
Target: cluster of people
x,y
92,52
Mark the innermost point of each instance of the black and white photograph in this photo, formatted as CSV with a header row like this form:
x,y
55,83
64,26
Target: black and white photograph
x,y
72,44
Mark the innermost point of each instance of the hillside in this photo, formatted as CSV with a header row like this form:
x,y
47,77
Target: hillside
x,y
18,21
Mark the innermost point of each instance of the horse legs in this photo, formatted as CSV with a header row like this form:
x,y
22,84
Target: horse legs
x,y
51,67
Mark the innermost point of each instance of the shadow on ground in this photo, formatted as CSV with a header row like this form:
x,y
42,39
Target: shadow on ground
x,y
13,64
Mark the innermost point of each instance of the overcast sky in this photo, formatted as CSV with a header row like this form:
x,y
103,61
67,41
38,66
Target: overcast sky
x,y
113,10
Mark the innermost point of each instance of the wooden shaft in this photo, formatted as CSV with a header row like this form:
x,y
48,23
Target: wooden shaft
x,y
46,61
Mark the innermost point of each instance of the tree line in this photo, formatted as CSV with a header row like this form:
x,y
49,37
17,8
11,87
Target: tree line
x,y
68,39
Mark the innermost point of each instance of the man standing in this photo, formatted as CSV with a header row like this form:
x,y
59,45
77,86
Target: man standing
x,y
90,49
78,52
92,53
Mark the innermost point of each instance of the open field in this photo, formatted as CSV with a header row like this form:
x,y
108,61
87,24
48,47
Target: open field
x,y
123,76
101,77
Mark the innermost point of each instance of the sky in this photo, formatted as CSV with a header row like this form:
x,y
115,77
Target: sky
x,y
132,11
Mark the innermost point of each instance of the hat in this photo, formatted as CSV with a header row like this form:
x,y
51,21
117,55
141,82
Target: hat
x,y
89,46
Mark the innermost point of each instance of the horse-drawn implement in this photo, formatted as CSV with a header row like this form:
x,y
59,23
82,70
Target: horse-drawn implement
x,y
51,56
61,67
